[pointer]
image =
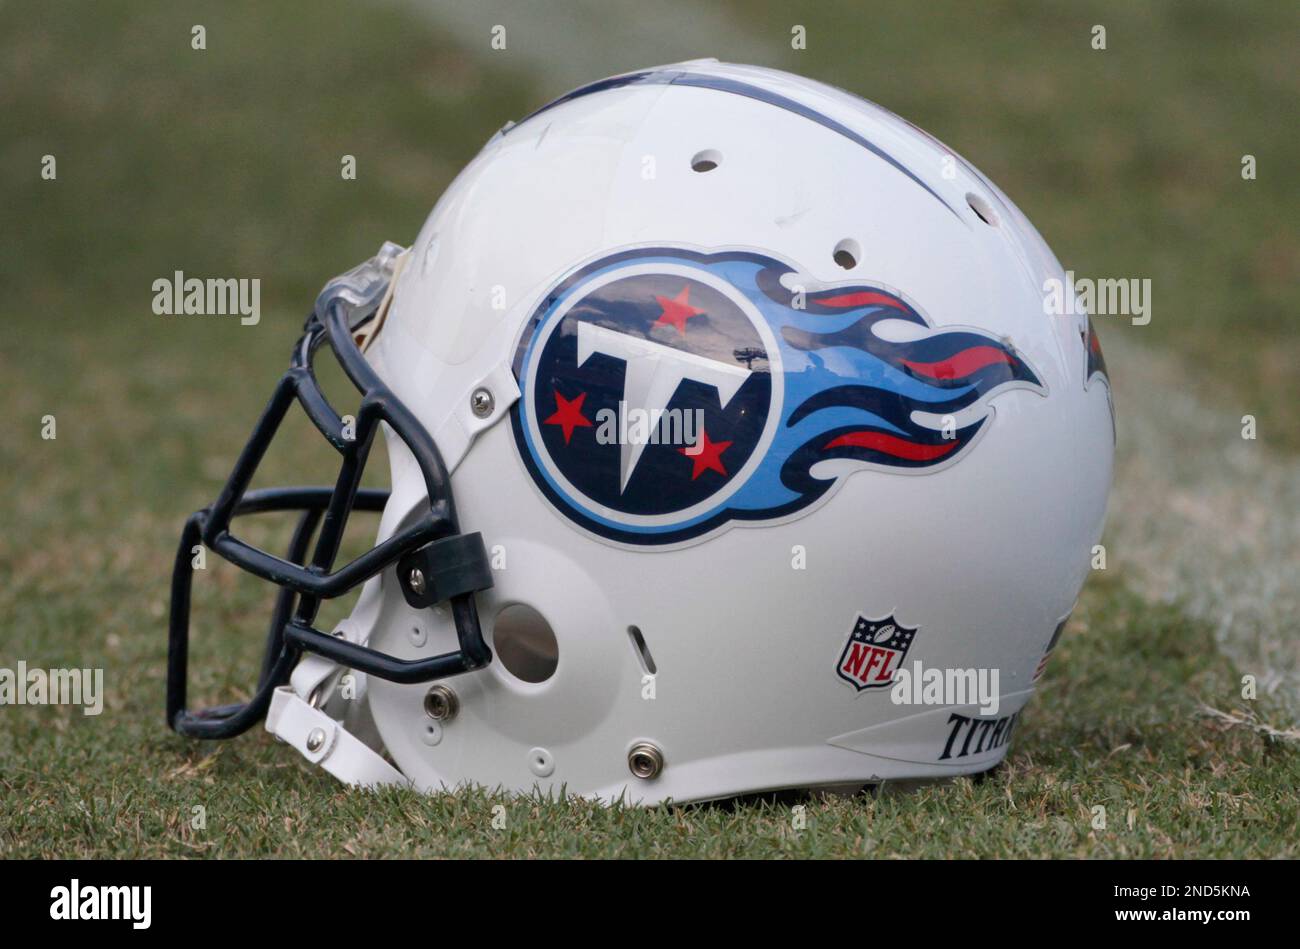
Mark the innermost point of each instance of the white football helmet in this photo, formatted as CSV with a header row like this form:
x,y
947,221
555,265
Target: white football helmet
x,y
769,447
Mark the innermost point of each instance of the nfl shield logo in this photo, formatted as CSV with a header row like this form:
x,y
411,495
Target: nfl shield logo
x,y
875,650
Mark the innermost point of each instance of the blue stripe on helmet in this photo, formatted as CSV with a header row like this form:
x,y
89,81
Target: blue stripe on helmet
x,y
721,84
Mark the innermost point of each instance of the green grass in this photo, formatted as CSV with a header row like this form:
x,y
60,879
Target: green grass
x,y
225,162
1116,727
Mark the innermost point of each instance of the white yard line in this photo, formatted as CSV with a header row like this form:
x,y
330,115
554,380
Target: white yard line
x,y
1205,518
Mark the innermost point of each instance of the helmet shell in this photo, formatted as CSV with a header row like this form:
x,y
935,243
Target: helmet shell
x,y
744,626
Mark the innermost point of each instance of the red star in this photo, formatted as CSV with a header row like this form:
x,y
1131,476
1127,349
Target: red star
x,y
676,310
709,457
568,414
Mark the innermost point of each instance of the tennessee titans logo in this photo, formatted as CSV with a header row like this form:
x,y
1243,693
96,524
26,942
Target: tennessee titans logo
x,y
667,393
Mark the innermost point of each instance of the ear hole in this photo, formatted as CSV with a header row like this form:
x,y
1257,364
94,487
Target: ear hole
x,y
706,160
983,210
524,643
847,253
642,650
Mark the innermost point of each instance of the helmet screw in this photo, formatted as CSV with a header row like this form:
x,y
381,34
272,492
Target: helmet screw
x,y
316,739
645,760
482,403
416,581
441,704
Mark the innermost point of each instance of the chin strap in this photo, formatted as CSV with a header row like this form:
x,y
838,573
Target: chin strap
x,y
325,742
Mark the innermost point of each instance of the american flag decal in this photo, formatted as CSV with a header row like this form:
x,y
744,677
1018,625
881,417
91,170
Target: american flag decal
x,y
1047,653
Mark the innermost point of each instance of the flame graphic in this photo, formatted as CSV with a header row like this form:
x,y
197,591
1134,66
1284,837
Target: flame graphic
x,y
901,391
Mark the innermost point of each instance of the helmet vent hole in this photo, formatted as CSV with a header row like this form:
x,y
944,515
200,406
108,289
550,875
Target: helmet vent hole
x,y
706,160
983,210
847,253
642,650
525,644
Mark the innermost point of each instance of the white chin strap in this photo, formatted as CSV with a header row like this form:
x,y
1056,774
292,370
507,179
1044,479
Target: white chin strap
x,y
325,742
320,738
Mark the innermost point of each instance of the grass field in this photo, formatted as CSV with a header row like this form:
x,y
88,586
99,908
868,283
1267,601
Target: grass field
x,y
226,161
